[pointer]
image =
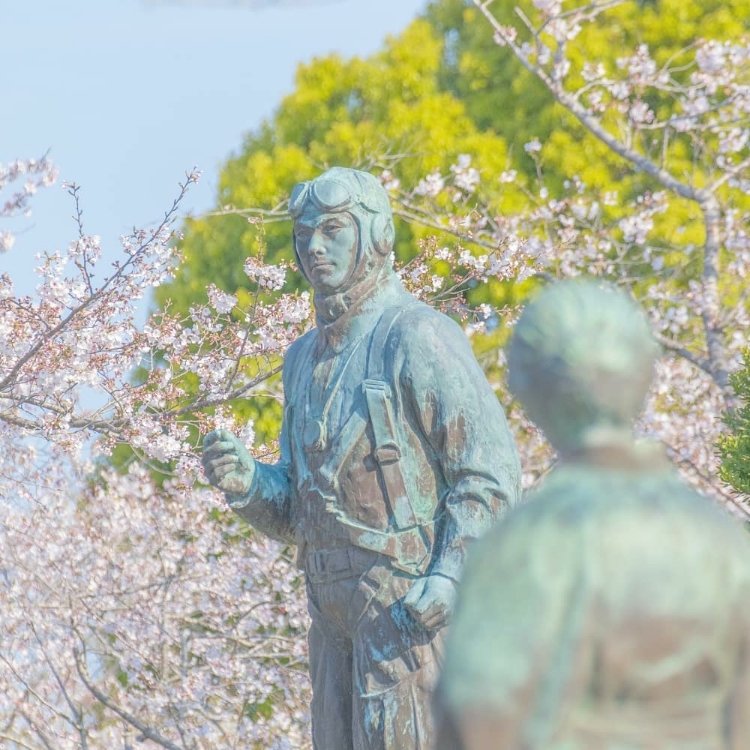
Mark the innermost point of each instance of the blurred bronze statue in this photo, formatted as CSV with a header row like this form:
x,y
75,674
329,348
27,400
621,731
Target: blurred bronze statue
x,y
395,454
611,611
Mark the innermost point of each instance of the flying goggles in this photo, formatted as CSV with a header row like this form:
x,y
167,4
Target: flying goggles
x,y
328,194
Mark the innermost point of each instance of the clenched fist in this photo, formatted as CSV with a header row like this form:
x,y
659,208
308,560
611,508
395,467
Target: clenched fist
x,y
430,601
227,463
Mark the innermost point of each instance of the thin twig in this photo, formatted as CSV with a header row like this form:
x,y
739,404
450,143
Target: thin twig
x,y
146,731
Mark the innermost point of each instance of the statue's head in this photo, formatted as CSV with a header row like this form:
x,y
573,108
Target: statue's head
x,y
581,360
343,228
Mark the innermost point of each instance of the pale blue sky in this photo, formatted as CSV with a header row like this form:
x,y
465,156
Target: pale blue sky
x,y
128,94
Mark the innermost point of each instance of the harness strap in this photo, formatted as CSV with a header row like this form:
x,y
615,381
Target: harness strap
x,y
405,548
291,398
376,349
409,547
297,366
342,445
387,452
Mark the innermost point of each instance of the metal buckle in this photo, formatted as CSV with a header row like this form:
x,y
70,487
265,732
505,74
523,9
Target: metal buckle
x,y
387,454
376,385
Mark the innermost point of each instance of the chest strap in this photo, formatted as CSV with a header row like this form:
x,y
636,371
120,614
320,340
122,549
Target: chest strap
x,y
387,452
409,546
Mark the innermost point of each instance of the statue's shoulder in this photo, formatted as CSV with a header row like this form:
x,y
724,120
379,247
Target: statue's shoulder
x,y
418,321
299,351
666,511
423,341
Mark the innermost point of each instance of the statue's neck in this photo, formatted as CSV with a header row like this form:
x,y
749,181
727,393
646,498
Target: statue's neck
x,y
346,314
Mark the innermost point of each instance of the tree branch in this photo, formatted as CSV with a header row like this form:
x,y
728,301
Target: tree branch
x,y
76,711
146,731
705,198
677,348
98,294
728,175
16,740
711,303
407,213
640,161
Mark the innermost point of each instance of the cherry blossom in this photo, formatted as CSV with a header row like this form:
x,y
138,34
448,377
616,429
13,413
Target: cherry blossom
x,y
137,608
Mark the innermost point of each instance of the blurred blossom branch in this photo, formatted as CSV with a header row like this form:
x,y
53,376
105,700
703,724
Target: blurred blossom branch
x,y
713,100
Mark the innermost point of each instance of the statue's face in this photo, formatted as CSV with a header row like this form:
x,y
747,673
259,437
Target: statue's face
x,y
327,248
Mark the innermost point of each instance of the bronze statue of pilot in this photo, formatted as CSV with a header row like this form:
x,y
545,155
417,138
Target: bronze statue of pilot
x,y
395,454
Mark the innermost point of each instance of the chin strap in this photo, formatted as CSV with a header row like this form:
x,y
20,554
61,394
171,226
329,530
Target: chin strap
x,y
330,307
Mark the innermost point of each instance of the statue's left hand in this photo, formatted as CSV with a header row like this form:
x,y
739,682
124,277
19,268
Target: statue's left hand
x,y
430,601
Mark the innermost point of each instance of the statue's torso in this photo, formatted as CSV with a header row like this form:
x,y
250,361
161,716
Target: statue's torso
x,y
332,441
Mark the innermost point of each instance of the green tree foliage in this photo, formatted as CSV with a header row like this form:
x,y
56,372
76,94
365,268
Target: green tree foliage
x,y
385,111
502,97
735,446
441,89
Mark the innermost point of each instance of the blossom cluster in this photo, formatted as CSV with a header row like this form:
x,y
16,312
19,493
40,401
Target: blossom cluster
x,y
153,603
35,173
136,606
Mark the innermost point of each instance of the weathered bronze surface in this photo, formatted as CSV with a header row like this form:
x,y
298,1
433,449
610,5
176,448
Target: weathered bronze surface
x,y
611,611
395,454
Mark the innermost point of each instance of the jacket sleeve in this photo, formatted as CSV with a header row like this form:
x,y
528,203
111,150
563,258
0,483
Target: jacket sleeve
x,y
267,505
465,427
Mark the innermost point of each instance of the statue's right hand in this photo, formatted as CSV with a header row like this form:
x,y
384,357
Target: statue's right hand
x,y
227,463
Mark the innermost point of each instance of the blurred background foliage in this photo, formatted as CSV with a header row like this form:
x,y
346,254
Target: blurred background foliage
x,y
734,447
440,89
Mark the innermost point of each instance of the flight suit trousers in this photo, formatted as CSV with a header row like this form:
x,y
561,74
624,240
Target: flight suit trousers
x,y
373,667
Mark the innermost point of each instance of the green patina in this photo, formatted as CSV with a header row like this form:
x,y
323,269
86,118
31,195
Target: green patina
x,y
395,454
611,611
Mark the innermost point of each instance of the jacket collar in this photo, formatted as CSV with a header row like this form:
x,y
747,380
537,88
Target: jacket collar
x,y
344,317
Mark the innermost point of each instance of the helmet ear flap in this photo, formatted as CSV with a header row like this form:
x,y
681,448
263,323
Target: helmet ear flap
x,y
382,233
298,198
297,258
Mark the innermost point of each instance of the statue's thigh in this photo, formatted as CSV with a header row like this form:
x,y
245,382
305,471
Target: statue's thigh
x,y
396,665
